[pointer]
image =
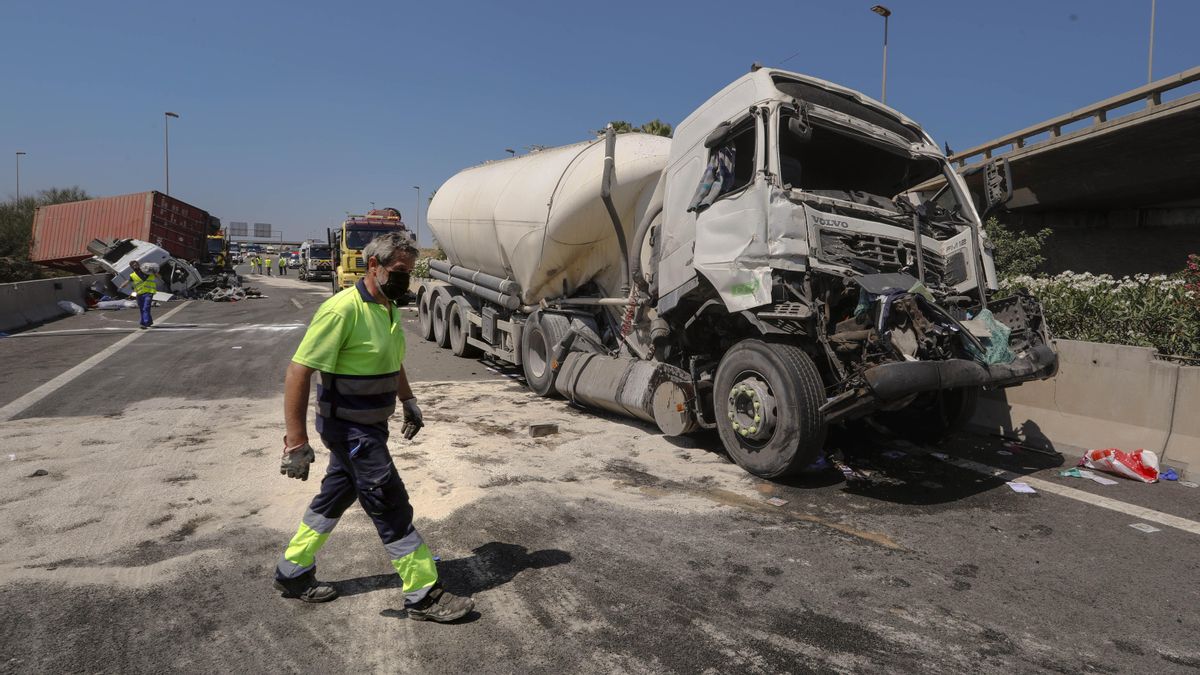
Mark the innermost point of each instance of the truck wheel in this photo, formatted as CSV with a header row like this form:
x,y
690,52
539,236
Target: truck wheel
x,y
441,336
458,325
425,314
767,399
542,333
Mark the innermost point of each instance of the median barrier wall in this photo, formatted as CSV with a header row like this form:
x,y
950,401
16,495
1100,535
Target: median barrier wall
x,y
1104,396
28,303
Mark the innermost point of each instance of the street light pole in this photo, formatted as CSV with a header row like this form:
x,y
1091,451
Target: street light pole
x,y
167,148
417,233
19,153
885,13
1150,61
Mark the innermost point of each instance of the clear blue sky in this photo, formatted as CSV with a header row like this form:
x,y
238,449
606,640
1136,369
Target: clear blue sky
x,y
295,112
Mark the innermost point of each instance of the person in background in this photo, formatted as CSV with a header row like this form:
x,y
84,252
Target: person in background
x,y
282,265
144,280
267,265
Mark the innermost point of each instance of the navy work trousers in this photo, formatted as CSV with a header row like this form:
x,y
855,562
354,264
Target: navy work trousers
x,y
143,302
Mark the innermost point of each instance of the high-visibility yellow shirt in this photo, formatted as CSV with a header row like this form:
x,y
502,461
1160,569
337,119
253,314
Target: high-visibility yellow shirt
x,y
147,284
282,262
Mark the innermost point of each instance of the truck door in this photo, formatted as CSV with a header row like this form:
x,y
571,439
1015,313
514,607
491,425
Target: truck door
x,y
731,250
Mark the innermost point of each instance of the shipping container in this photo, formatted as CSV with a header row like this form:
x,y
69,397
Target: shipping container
x,y
62,232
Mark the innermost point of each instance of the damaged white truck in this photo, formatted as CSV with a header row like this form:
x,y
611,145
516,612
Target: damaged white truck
x,y
767,272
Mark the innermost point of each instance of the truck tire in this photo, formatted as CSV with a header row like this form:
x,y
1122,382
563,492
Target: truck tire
x,y
542,333
767,400
441,336
425,314
458,325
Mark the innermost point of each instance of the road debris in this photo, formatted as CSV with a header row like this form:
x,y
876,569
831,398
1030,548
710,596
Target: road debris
x,y
1188,483
539,430
38,473
1139,465
1090,475
1144,527
776,501
1023,488
68,306
1168,473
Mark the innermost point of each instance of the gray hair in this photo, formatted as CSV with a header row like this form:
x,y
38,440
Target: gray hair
x,y
150,268
388,246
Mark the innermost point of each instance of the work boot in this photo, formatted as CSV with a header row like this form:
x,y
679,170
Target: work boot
x,y
306,588
440,606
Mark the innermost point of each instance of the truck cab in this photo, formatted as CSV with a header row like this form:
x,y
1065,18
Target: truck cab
x,y
347,242
316,261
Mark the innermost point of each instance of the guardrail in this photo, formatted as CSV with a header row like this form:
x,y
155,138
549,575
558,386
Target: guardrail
x,y
26,303
1104,396
1098,112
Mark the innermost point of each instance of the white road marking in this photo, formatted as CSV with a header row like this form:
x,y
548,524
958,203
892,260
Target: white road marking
x,y
28,400
1139,512
297,304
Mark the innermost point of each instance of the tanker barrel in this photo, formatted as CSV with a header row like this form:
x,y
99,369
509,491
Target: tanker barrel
x,y
510,302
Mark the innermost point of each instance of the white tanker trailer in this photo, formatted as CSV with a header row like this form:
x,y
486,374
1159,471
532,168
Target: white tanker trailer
x,y
767,272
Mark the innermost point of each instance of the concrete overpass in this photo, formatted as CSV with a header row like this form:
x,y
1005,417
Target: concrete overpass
x,y
1118,180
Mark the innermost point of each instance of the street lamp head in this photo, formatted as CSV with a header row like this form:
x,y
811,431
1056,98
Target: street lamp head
x,y
510,151
171,114
20,152
416,187
881,11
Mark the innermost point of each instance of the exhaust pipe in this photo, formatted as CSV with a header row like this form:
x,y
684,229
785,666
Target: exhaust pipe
x,y
610,147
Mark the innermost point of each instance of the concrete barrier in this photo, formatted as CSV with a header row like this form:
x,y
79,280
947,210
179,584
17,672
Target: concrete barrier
x,y
1105,396
28,303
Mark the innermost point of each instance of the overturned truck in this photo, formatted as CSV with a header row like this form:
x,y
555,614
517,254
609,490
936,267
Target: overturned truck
x,y
767,272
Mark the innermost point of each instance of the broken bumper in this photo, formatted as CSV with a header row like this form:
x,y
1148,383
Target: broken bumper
x,y
893,381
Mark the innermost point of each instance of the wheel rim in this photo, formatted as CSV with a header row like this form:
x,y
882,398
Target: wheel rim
x,y
537,356
751,409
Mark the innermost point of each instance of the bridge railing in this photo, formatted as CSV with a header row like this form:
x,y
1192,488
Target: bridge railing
x,y
1151,93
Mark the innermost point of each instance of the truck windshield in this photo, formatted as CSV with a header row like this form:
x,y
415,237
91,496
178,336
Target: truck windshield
x,y
839,162
358,238
214,246
319,253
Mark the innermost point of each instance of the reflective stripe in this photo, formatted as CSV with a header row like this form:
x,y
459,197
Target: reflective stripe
x,y
418,572
301,553
406,545
360,386
367,416
286,569
319,523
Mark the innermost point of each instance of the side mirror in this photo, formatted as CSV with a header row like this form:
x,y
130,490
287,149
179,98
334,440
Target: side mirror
x,y
800,128
716,136
997,184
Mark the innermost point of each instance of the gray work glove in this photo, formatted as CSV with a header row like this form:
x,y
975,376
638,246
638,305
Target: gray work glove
x,y
413,420
296,460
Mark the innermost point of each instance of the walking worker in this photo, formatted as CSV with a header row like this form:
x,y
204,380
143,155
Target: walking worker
x,y
267,264
144,280
282,265
356,342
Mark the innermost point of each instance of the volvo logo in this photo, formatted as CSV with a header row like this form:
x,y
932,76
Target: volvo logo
x,y
822,221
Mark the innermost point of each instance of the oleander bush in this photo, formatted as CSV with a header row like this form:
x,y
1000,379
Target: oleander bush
x,y
1158,311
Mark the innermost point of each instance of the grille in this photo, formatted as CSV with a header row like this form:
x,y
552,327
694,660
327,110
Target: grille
x,y
883,254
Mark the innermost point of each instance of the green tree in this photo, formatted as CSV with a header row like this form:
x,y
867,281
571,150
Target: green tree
x,y
657,127
654,126
1016,253
16,227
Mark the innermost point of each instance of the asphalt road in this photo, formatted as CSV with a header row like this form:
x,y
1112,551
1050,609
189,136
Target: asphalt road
x,y
149,543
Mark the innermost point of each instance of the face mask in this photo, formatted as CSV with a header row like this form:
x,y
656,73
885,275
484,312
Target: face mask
x,y
395,287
